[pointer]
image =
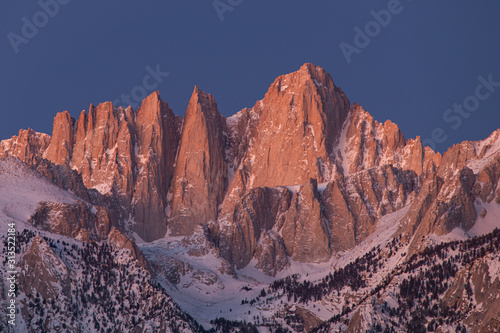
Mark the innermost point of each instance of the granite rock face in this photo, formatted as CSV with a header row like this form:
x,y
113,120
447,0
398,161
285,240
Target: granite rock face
x,y
102,149
200,178
126,156
26,146
42,271
63,139
366,143
299,121
120,241
305,231
78,220
253,226
158,133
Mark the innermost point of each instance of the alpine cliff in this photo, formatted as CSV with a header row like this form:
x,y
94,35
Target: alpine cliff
x,y
303,197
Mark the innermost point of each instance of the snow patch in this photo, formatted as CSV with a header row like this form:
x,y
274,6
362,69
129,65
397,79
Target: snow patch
x,y
488,223
21,191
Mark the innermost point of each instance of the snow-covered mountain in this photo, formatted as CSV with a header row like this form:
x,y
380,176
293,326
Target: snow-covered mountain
x,y
300,213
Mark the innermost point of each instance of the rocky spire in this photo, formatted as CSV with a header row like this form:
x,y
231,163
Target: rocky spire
x,y
157,130
61,144
201,173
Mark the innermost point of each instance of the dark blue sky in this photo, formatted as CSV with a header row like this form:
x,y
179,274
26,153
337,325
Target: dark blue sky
x,y
426,59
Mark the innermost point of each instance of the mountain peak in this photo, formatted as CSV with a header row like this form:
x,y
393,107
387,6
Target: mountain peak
x,y
155,96
202,98
315,72
308,75
153,107
300,119
61,145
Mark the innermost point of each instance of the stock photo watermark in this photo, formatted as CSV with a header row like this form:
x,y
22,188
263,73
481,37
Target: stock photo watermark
x,y
223,6
460,111
150,82
373,28
31,27
11,274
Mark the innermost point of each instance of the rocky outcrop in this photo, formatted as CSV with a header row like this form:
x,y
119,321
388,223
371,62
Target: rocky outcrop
x,y
170,268
343,223
370,143
487,167
73,220
453,207
42,272
310,320
484,289
487,181
466,173
79,287
456,158
68,179
305,232
422,160
457,202
338,218
62,141
102,153
420,206
270,253
259,211
25,146
201,172
352,205
366,143
158,133
120,241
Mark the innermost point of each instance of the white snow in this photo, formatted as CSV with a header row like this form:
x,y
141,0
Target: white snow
x,y
296,188
319,84
490,147
293,188
343,145
204,292
494,269
489,222
209,301
322,186
385,229
21,191
234,119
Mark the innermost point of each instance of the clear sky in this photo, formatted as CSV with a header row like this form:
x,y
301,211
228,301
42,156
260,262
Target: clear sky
x,y
410,68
